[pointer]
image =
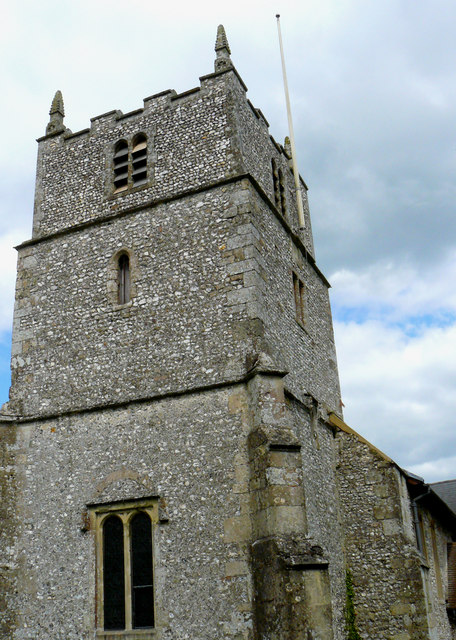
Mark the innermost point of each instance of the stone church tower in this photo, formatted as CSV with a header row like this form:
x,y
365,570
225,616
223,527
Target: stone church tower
x,y
168,453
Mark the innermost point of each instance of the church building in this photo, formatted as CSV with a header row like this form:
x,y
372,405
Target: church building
x,y
174,464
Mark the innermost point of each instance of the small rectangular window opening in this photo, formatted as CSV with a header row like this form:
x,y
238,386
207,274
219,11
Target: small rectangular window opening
x,y
300,301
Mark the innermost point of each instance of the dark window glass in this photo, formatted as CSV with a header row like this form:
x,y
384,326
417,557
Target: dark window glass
x,y
142,595
124,279
113,574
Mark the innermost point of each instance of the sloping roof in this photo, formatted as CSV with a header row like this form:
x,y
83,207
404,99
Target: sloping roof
x,y
446,490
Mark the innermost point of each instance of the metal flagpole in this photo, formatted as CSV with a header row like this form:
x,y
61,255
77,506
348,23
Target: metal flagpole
x,y
301,220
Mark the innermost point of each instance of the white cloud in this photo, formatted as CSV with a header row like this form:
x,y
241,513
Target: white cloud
x,y
398,291
399,391
395,329
441,469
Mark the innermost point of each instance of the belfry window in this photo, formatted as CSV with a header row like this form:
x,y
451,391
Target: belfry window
x,y
130,163
123,277
121,166
125,583
139,159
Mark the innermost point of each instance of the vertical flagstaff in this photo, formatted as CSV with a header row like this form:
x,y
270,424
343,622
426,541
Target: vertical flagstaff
x,y
301,220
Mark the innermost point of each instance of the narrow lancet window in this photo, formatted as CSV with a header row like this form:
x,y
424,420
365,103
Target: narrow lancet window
x,y
124,279
113,574
142,590
121,166
139,160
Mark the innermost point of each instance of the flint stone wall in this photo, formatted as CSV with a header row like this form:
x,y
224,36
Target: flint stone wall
x,y
182,450
394,585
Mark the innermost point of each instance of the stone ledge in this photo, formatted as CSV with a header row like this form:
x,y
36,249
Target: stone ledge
x,y
146,634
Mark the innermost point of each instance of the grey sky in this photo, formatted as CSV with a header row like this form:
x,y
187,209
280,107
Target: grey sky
x,y
373,92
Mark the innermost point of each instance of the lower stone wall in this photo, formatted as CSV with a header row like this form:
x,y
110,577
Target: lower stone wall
x,y
232,472
183,450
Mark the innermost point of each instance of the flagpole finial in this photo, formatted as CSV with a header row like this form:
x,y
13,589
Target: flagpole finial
x,y
223,51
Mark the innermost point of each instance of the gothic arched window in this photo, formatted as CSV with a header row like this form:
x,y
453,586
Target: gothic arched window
x,y
123,278
125,550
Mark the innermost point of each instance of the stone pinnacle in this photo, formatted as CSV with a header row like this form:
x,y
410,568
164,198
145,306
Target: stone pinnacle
x,y
57,114
57,104
222,41
223,51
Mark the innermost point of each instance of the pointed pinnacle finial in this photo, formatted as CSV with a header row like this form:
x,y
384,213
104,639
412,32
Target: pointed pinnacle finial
x,y
222,40
223,51
57,113
57,104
